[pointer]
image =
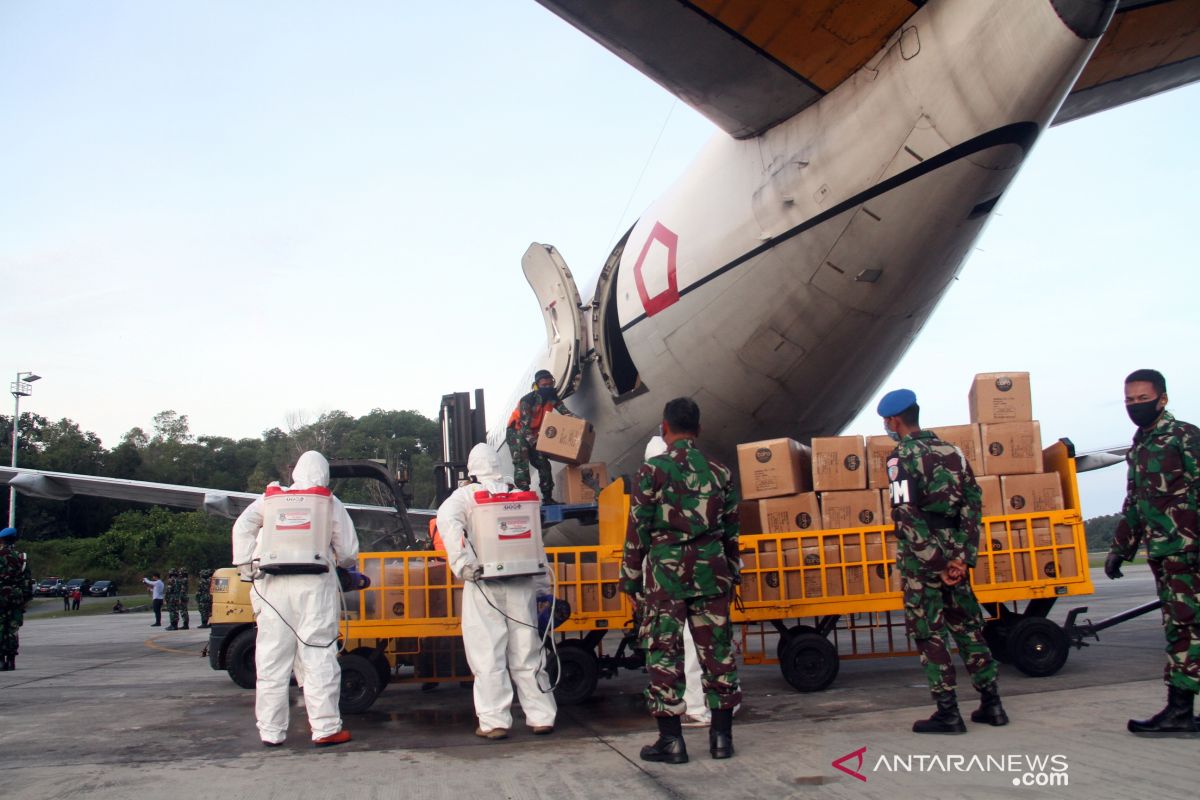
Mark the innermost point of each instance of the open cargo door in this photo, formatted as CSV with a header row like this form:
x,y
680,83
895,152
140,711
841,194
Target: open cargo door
x,y
551,281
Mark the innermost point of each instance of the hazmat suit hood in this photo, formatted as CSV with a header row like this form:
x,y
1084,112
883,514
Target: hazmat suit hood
x,y
311,470
655,447
484,464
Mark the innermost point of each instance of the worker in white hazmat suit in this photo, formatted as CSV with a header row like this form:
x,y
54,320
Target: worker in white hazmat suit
x,y
697,714
499,616
309,604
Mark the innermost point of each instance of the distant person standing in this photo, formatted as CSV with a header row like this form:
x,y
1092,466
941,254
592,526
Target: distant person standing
x,y
522,433
1162,492
76,597
16,590
204,596
184,590
156,597
177,598
66,596
937,508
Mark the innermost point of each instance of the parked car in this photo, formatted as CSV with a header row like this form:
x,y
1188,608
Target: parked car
x,y
103,589
48,587
83,584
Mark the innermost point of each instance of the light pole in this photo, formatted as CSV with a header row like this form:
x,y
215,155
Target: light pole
x,y
20,388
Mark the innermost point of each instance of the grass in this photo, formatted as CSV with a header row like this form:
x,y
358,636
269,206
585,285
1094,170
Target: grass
x,y
51,607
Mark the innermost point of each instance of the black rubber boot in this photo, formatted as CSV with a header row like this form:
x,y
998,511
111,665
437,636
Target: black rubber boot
x,y
720,735
990,710
945,720
5,663
172,628
670,747
1177,717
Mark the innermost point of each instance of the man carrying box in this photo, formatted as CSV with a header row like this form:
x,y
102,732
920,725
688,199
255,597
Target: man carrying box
x,y
685,533
1161,505
523,428
936,508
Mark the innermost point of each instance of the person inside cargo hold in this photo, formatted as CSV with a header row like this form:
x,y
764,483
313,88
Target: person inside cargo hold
x,y
1162,491
936,507
522,433
680,563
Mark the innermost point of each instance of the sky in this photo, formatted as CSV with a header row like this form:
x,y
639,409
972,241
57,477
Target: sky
x,y
254,213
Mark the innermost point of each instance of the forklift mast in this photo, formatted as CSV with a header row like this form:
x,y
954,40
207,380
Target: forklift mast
x,y
462,428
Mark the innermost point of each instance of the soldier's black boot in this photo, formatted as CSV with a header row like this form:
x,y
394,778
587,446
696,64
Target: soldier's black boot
x,y
171,628
990,710
1175,718
670,748
945,720
720,735
5,663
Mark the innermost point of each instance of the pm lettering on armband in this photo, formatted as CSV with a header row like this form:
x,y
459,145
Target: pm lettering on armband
x,y
900,492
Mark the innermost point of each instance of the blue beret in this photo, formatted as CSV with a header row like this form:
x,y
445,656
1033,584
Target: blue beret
x,y
896,402
4,534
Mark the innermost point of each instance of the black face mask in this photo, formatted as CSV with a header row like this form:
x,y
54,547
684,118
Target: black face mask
x,y
1143,414
548,393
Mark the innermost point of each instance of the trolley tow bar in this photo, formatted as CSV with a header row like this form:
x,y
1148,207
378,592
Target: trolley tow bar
x,y
1077,633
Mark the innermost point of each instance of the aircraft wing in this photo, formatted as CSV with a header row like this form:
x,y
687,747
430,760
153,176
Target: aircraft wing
x,y
750,64
1098,459
218,502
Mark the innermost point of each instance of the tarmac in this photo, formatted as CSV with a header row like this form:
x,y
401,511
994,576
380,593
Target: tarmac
x,y
106,706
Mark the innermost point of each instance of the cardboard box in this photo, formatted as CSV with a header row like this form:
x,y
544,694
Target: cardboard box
x,y
838,463
967,439
852,550
1055,564
855,582
1000,397
833,549
774,468
750,577
881,546
769,579
610,586
799,512
854,509
993,503
1029,494
749,518
566,439
1042,536
981,575
879,448
885,507
1012,448
584,481
883,578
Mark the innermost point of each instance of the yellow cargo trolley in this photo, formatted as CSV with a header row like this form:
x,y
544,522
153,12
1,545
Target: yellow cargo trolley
x,y
831,595
817,597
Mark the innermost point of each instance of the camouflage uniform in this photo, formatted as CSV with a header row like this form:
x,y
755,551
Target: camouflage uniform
x,y
1161,506
522,436
16,590
936,505
204,599
176,597
685,529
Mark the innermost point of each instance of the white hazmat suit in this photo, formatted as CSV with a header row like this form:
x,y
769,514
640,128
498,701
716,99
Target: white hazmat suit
x,y
496,647
309,604
693,678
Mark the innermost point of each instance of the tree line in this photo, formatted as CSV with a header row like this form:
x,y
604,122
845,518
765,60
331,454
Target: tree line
x,y
99,538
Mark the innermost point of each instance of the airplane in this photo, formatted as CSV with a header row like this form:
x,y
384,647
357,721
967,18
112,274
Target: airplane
x,y
863,147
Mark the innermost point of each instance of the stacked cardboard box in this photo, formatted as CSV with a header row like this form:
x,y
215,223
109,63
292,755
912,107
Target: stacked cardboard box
x,y
566,439
776,483
582,483
590,587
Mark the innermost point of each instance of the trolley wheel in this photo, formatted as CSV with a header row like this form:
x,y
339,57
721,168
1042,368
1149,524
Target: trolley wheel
x,y
996,634
379,661
1038,646
239,658
790,634
360,684
576,673
809,662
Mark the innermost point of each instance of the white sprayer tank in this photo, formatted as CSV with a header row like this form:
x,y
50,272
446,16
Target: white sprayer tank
x,y
506,532
296,532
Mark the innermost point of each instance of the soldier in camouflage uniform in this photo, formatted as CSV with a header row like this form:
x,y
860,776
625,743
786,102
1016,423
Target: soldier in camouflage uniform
x,y
176,597
16,590
522,434
684,534
204,596
1161,506
936,506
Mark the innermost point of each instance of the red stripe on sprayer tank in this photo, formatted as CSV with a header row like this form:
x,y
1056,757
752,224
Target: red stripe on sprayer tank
x,y
318,491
